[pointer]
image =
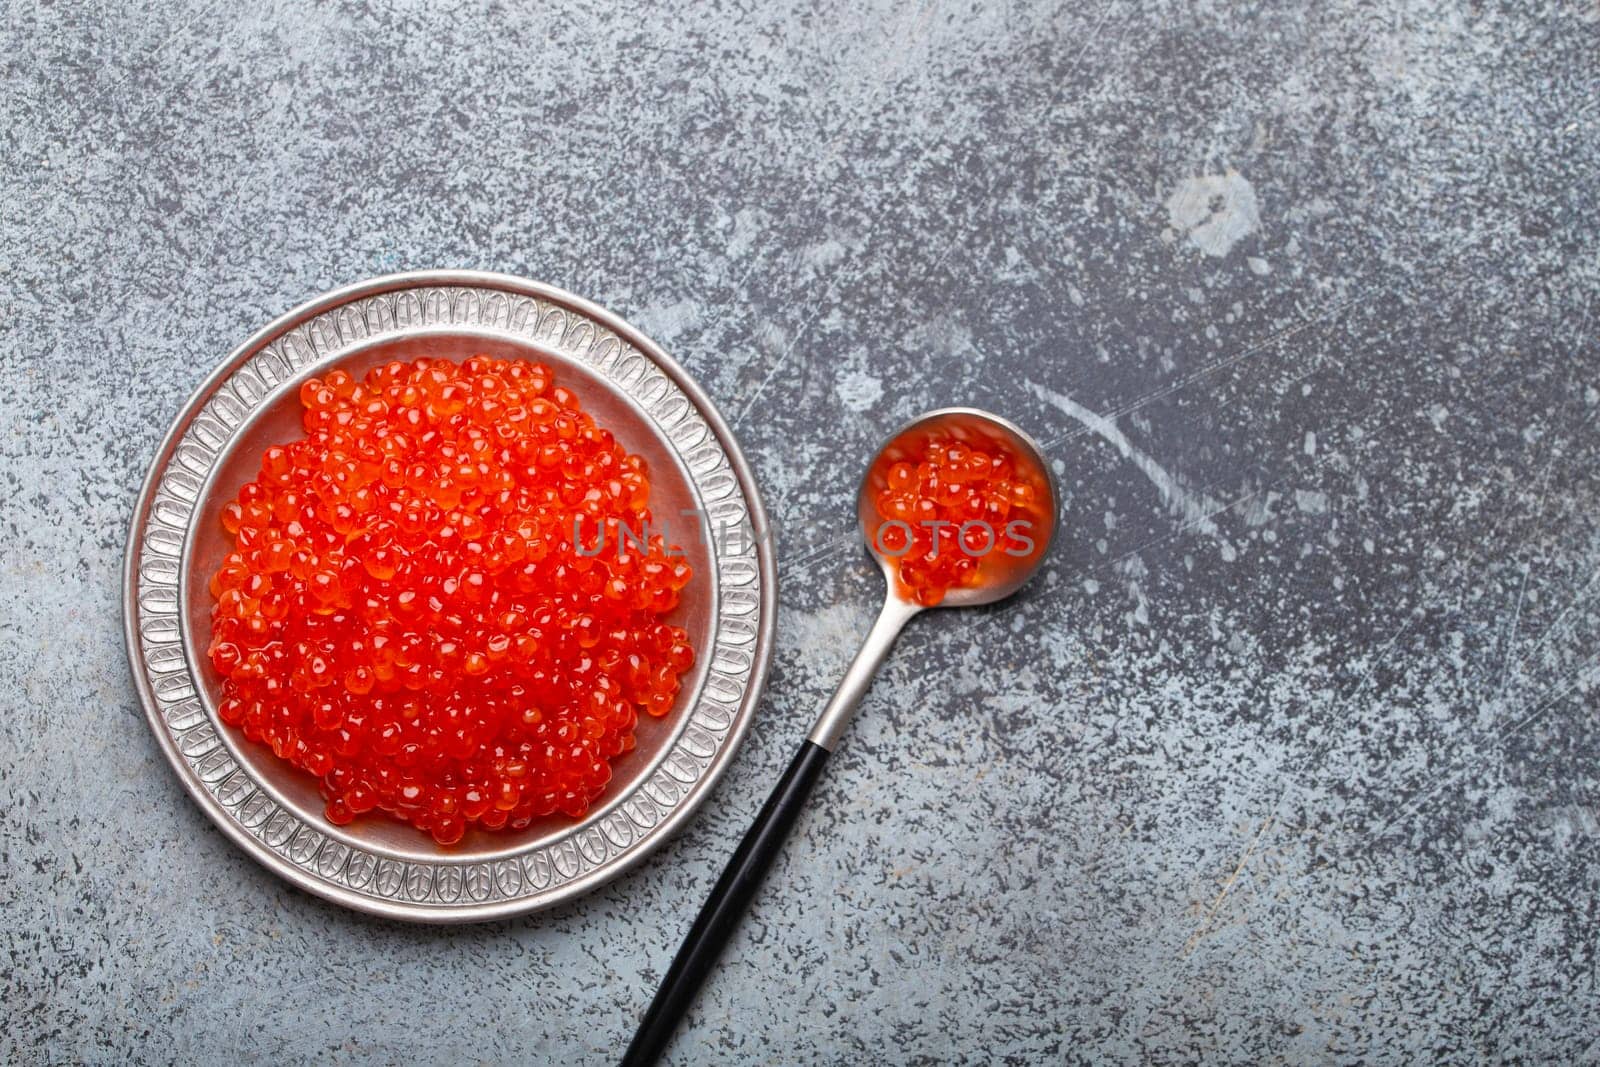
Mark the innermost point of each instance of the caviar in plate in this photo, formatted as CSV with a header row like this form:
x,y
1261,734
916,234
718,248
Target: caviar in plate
x,y
444,601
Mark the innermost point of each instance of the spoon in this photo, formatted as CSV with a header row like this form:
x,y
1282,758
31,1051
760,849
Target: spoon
x,y
999,575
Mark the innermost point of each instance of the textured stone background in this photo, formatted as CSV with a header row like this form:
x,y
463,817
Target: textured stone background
x,y
1290,756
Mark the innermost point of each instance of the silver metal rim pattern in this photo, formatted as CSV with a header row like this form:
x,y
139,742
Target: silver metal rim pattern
x,y
547,872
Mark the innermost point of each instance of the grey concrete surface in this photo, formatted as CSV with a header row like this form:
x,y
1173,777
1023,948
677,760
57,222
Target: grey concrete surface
x,y
1291,756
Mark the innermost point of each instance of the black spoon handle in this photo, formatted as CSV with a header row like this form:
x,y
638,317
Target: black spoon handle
x,y
727,903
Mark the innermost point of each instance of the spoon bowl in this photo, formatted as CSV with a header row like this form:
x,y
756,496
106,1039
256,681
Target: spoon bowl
x,y
1000,573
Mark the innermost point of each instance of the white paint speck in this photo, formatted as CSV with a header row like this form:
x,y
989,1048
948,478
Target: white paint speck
x,y
858,390
1214,211
823,254
1312,503
1311,443
1256,509
747,226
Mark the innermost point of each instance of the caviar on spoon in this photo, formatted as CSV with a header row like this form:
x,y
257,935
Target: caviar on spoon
x,y
959,509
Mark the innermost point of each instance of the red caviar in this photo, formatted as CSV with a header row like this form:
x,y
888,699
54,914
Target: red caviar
x,y
432,606
949,509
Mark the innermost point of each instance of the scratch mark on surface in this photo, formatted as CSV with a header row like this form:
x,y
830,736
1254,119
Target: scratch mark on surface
x,y
1227,887
1327,313
1511,638
159,47
777,366
803,563
1556,627
1343,705
1195,508
1578,680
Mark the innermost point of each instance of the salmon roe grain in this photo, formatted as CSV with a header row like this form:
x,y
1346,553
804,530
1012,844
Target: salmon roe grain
x,y
416,612
948,509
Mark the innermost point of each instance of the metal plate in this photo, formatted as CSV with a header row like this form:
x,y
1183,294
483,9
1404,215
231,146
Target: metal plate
x,y
377,864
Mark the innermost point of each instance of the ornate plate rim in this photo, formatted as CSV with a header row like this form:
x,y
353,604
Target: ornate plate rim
x,y
321,850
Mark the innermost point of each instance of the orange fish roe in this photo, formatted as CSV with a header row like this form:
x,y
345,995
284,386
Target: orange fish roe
x,y
418,610
949,509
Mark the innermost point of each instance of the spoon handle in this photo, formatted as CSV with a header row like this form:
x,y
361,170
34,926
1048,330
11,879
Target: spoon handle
x,y
727,903
762,842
